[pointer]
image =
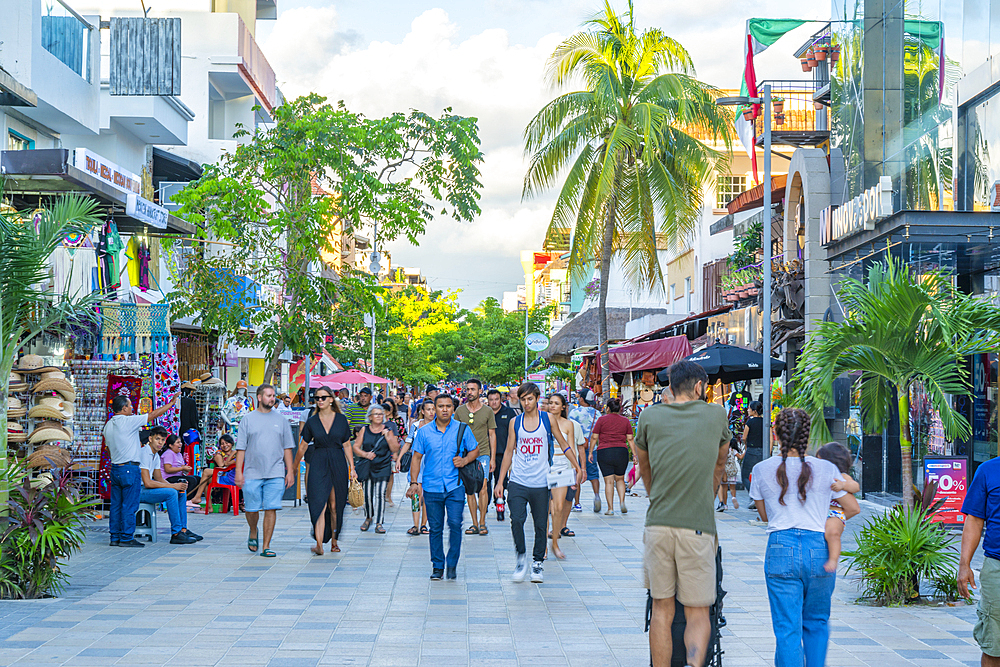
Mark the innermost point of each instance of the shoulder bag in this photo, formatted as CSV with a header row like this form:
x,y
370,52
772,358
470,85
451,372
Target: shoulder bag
x,y
472,475
355,493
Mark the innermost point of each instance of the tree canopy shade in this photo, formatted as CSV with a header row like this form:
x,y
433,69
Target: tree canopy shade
x,y
900,329
633,172
395,173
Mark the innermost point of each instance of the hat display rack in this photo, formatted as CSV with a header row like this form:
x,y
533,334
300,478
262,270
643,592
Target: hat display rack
x,y
41,407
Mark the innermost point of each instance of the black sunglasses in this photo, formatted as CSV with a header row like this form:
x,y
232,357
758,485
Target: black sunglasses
x,y
323,397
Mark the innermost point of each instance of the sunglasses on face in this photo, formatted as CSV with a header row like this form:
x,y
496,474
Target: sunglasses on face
x,y
323,398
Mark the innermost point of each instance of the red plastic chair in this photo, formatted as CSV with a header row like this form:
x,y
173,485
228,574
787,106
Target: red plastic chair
x,y
230,493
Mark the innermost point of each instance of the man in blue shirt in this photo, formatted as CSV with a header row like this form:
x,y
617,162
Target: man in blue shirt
x,y
982,507
436,449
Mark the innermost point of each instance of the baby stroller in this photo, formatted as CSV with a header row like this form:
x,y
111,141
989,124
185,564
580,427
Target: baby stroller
x,y
714,656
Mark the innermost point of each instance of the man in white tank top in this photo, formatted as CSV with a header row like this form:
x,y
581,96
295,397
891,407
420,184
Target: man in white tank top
x,y
527,460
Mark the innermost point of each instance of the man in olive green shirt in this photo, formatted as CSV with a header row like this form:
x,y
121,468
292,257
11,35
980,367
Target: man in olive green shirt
x,y
681,447
479,416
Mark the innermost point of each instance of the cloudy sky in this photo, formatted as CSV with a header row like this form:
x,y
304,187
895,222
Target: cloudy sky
x,y
486,58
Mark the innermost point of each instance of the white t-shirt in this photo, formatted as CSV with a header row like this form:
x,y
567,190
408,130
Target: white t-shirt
x,y
148,460
810,515
530,462
121,434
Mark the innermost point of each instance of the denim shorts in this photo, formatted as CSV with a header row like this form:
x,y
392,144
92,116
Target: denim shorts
x,y
484,461
263,494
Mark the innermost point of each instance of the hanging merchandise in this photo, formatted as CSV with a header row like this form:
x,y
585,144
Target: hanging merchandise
x,y
118,385
237,406
130,328
210,397
166,384
143,266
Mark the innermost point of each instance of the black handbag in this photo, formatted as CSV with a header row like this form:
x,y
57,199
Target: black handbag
x,y
404,461
363,466
472,475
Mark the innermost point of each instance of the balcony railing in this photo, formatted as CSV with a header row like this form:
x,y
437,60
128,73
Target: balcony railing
x,y
799,121
66,36
257,70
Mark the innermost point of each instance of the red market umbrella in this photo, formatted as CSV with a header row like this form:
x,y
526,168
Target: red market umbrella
x,y
356,377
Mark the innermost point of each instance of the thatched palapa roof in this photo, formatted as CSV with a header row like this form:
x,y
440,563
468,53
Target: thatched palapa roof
x,y
582,331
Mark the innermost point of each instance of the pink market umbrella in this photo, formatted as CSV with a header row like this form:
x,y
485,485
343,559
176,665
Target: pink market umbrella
x,y
356,377
324,381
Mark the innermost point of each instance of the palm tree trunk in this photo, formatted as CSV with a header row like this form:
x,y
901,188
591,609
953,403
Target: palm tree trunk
x,y
905,445
602,304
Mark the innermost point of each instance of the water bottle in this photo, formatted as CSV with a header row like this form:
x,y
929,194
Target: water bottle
x,y
501,507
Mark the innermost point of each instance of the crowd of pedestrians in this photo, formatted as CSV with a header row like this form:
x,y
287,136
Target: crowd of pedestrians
x,y
523,453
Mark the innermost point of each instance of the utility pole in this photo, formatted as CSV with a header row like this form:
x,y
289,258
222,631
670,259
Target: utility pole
x,y
525,341
766,242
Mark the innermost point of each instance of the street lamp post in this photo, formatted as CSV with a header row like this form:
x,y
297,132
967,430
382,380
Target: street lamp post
x,y
765,99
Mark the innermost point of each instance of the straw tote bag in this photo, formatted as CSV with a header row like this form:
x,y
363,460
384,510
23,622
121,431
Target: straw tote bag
x,y
355,494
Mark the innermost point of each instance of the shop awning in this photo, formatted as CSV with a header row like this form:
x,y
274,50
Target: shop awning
x,y
754,197
33,175
648,355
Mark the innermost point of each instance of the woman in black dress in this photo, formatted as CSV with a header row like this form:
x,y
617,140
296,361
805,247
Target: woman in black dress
x,y
753,442
332,466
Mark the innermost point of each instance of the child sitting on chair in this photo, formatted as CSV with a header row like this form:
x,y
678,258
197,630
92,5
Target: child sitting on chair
x,y
840,456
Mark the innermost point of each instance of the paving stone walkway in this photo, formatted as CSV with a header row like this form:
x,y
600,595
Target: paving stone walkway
x,y
215,603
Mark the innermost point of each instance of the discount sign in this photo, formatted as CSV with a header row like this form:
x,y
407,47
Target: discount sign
x,y
951,476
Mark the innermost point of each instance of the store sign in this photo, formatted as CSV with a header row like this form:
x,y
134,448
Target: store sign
x,y
952,477
536,377
105,170
536,342
858,215
146,211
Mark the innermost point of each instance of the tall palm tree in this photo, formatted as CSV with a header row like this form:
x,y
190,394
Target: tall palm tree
x,y
634,171
27,241
900,329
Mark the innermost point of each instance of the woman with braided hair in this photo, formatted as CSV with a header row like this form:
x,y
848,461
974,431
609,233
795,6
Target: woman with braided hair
x,y
793,494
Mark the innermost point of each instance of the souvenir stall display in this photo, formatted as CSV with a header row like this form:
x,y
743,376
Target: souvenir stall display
x,y
91,379
40,410
237,406
210,397
120,382
195,356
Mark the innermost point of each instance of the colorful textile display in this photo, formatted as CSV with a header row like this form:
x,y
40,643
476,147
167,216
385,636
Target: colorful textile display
x,y
118,385
130,328
166,383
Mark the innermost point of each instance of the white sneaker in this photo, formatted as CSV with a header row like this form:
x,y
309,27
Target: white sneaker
x,y
536,572
577,508
624,509
520,569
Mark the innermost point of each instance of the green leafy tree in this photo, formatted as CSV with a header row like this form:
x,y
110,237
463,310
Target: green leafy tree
x,y
634,171
900,329
27,310
411,317
389,175
495,349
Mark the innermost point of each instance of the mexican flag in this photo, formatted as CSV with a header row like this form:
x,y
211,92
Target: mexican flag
x,y
761,33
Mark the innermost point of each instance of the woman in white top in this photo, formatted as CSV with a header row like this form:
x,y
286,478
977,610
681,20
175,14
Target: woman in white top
x,y
564,465
424,416
793,495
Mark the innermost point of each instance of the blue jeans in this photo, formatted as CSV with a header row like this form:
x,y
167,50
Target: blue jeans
x,y
799,590
125,483
437,503
176,505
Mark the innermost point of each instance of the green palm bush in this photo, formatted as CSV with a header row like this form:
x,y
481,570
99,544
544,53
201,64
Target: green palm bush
x,y
626,147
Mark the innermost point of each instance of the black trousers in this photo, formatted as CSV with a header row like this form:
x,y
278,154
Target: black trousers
x,y
192,480
494,477
518,499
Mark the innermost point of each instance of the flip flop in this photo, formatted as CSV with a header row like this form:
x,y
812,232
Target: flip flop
x,y
566,532
267,553
472,530
483,530
424,530
252,543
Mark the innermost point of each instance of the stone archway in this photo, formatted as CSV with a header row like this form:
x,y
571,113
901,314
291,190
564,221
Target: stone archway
x,y
807,194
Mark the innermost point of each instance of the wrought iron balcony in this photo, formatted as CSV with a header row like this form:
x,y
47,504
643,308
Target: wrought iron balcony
x,y
798,122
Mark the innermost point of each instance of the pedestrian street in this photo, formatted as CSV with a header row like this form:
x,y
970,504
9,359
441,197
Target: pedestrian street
x,y
215,603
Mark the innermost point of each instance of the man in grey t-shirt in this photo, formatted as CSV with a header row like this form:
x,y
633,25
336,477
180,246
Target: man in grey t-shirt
x,y
263,457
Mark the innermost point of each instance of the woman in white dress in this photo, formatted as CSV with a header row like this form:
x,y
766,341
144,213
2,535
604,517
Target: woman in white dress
x,y
565,471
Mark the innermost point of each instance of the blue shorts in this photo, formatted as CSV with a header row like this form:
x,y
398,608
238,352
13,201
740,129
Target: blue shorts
x,y
263,494
484,461
593,470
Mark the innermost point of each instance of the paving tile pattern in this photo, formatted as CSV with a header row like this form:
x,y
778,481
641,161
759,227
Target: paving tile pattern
x,y
215,603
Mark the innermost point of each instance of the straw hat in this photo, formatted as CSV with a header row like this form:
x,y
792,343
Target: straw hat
x,y
15,432
53,375
49,456
15,408
213,382
32,363
16,383
64,388
49,433
205,377
49,403
47,412
188,385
